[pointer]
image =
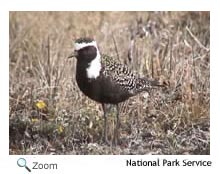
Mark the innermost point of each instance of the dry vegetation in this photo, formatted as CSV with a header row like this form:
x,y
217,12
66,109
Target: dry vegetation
x,y
171,46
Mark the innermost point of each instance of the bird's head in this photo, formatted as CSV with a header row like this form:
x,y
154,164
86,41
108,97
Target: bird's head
x,y
88,56
85,49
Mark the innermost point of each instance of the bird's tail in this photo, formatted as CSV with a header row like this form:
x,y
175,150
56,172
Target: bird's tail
x,y
143,84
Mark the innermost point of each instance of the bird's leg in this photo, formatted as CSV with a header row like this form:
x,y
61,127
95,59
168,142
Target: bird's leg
x,y
115,138
105,137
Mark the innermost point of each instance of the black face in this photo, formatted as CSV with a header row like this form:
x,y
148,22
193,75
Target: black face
x,y
86,54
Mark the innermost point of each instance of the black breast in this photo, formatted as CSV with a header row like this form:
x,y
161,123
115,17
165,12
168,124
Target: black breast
x,y
101,89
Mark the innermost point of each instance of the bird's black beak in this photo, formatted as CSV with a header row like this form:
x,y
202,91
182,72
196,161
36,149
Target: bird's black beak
x,y
74,54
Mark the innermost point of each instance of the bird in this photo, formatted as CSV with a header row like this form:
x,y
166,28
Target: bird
x,y
105,80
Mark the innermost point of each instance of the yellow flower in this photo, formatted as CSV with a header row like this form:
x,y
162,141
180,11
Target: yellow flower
x,y
34,120
41,104
60,129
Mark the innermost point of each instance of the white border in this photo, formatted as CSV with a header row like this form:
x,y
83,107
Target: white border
x,y
108,5
108,164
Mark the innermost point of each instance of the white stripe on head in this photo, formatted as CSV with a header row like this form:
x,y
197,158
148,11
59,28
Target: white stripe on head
x,y
79,46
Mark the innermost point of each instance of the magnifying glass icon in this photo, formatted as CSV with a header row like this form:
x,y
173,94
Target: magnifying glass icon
x,y
22,163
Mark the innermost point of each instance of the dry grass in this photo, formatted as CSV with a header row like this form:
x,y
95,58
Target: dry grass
x,y
173,48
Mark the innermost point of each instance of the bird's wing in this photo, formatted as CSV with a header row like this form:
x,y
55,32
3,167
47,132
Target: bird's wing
x,y
118,73
126,79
